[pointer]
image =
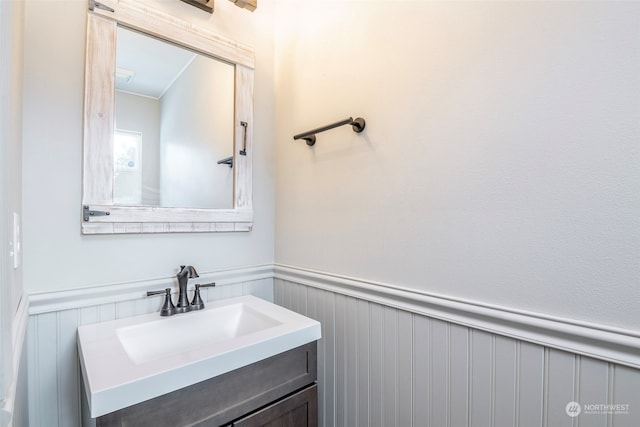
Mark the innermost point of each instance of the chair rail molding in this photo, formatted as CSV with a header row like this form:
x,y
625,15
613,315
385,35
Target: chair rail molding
x,y
615,345
47,302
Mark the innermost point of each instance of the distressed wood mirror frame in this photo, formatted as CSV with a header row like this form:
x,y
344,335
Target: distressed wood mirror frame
x,y
99,213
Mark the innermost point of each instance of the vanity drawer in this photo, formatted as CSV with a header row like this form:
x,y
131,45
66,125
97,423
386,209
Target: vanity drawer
x,y
298,410
224,398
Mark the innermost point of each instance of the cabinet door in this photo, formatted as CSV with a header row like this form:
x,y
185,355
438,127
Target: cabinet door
x,y
298,410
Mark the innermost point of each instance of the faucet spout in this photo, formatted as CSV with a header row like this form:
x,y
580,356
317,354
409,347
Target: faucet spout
x,y
186,273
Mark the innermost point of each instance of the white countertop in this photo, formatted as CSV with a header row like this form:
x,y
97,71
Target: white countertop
x,y
131,360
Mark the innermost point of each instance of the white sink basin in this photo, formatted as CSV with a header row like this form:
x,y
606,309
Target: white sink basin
x,y
131,360
164,337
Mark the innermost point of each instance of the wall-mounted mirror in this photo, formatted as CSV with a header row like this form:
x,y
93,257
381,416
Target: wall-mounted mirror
x,y
168,135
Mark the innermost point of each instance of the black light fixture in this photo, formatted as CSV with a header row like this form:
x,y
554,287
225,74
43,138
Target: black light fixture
x,y
246,4
206,5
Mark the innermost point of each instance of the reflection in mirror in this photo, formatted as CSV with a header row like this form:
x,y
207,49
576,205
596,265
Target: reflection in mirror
x,y
174,121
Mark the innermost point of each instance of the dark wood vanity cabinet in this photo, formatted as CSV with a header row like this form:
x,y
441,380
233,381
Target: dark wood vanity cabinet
x,y
298,410
277,392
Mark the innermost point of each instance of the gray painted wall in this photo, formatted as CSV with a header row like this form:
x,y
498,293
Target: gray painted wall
x,y
13,401
56,255
11,149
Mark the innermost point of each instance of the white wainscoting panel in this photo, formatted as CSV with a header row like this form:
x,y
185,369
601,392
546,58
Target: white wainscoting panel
x,y
53,366
385,359
379,365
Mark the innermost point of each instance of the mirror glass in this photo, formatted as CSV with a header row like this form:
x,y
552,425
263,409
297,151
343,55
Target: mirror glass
x,y
174,125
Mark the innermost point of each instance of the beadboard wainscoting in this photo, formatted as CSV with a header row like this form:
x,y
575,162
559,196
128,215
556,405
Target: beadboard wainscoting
x,y
53,366
390,358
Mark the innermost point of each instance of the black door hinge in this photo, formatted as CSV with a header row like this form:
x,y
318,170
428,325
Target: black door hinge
x,y
86,213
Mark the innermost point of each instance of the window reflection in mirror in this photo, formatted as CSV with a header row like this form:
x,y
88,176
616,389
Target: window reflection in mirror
x,y
174,120
127,173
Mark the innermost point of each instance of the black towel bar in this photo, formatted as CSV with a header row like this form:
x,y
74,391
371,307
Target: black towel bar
x,y
357,125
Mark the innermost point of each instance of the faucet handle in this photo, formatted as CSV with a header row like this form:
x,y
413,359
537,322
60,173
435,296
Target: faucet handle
x,y
206,285
168,309
197,303
192,272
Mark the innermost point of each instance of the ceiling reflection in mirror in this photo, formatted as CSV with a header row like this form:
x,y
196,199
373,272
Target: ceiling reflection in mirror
x,y
174,121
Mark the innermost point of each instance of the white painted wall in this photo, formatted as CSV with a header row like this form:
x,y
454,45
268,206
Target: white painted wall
x,y
197,124
500,163
56,255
